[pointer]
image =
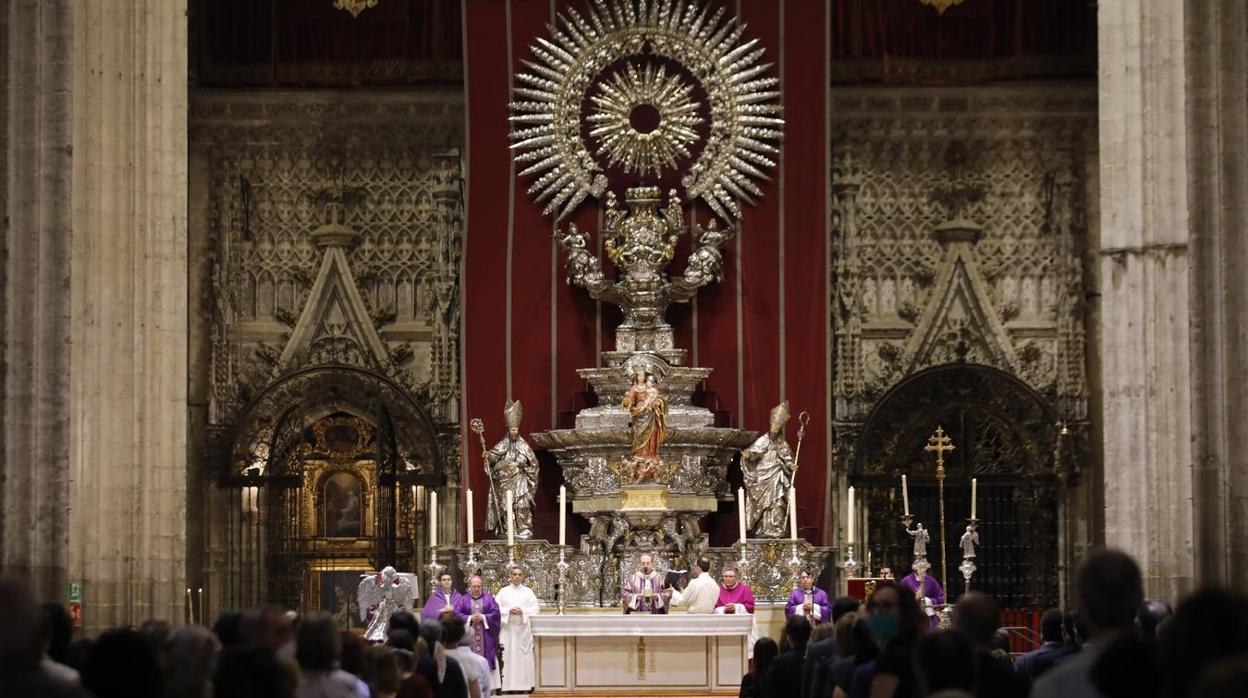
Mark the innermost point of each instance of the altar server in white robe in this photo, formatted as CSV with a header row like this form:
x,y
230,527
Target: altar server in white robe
x,y
518,604
701,593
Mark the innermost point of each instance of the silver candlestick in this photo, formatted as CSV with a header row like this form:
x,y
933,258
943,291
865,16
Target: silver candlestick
x,y
434,569
562,566
472,557
850,565
795,566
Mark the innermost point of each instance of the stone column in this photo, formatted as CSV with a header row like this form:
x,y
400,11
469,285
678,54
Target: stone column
x,y
1217,189
1174,268
1146,365
34,291
128,289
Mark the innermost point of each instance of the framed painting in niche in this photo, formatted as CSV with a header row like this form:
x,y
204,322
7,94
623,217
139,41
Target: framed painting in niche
x,y
342,503
338,597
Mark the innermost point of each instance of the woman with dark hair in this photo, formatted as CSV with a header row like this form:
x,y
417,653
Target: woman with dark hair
x,y
896,622
765,650
855,648
318,648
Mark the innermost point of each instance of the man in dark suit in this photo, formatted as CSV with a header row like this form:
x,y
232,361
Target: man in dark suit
x,y
822,651
1051,634
784,678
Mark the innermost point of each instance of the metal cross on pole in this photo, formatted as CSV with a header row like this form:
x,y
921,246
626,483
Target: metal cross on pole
x,y
940,444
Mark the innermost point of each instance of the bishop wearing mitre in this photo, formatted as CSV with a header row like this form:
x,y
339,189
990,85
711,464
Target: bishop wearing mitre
x,y
643,589
518,605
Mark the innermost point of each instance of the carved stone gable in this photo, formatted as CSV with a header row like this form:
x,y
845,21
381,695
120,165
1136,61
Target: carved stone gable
x,y
334,327
959,324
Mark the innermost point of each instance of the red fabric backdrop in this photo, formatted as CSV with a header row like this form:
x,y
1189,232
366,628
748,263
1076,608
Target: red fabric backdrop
x,y
763,329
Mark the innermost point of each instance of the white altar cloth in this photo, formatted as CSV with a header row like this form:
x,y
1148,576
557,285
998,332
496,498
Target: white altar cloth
x,y
640,654
641,625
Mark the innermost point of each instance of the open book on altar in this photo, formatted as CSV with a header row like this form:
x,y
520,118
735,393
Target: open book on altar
x,y
676,579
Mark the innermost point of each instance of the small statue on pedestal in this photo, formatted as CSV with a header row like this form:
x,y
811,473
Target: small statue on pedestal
x,y
767,467
921,538
648,408
968,541
512,467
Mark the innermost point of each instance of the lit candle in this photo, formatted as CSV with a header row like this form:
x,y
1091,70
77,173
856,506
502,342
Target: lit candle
x,y
974,484
190,607
741,512
849,522
563,506
470,532
201,605
793,513
905,495
433,519
511,521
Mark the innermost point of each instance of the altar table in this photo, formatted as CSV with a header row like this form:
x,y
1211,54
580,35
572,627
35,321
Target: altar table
x,y
638,654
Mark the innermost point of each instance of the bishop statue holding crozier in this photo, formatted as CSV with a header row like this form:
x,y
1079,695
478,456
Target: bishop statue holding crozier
x,y
767,467
512,467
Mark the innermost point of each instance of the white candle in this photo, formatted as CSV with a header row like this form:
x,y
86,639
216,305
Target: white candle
x,y
849,519
433,519
470,532
793,513
973,488
741,512
511,521
905,495
563,505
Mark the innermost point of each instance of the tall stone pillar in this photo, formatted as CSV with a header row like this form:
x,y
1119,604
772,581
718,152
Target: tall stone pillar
x,y
1146,366
93,306
1174,277
1217,114
34,291
128,279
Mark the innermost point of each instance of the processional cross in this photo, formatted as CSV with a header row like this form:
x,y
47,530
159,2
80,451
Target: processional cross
x,y
940,443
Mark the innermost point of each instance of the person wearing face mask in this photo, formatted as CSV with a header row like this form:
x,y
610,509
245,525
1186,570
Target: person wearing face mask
x,y
896,622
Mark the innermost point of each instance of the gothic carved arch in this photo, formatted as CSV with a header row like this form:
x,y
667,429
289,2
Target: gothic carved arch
x,y
1005,427
270,429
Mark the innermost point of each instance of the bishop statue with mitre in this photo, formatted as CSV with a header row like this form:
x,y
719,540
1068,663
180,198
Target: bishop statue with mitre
x,y
767,467
512,467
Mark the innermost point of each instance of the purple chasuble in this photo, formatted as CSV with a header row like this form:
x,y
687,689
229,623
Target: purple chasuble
x,y
484,633
437,603
931,589
818,598
741,593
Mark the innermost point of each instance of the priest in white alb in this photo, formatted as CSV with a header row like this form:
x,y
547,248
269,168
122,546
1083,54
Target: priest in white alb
x,y
702,591
518,604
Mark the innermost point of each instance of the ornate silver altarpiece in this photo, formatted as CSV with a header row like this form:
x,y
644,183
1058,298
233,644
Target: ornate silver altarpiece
x,y
714,121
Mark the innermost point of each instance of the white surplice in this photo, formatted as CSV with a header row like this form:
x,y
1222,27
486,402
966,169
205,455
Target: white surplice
x,y
519,668
699,595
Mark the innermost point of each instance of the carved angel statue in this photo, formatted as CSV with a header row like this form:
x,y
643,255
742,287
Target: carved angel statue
x,y
382,595
512,467
582,268
767,466
706,264
968,541
921,538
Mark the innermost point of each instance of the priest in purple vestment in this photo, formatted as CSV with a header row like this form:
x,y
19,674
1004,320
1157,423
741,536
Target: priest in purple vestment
x,y
441,601
643,590
808,602
927,591
735,596
480,611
